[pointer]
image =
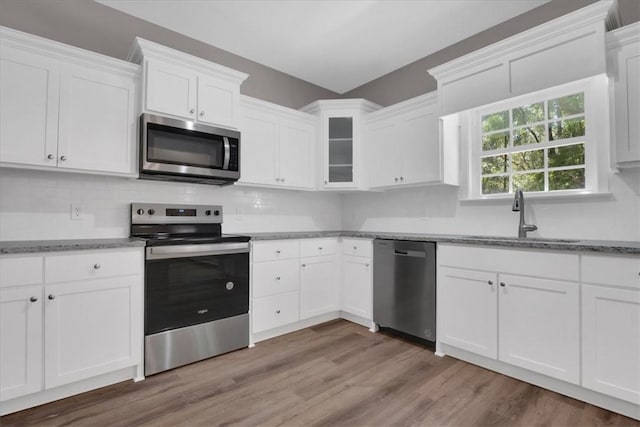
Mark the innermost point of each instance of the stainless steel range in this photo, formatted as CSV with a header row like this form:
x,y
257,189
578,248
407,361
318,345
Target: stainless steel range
x,y
196,284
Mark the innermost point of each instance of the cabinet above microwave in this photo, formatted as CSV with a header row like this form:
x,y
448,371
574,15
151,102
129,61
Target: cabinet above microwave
x,y
183,86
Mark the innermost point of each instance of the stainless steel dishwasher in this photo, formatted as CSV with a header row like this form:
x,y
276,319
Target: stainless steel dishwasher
x,y
404,287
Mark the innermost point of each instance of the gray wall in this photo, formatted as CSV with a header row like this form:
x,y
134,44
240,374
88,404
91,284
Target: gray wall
x,y
95,27
413,79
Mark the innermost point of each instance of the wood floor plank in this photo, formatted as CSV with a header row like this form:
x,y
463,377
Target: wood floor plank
x,y
333,374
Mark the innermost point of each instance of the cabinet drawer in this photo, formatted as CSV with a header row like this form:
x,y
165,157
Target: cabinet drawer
x,y
20,271
93,265
275,310
611,270
273,250
318,247
357,247
276,277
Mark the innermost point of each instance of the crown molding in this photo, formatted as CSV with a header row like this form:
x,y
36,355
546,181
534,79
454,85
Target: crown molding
x,y
144,49
271,107
411,104
355,103
623,36
56,50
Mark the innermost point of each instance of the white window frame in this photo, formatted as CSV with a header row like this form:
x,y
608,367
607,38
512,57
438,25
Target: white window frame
x,y
596,138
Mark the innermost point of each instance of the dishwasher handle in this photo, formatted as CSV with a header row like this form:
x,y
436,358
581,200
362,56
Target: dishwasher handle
x,y
409,253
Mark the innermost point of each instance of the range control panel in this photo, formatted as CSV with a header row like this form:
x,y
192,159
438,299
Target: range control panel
x,y
156,213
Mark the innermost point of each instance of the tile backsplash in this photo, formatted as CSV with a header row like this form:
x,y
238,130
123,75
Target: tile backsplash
x,y
36,205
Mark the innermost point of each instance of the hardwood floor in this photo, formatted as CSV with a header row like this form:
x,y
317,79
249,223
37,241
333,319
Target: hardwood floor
x,y
334,374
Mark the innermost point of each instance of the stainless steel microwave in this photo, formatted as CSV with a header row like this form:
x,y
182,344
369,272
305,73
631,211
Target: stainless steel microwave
x,y
180,150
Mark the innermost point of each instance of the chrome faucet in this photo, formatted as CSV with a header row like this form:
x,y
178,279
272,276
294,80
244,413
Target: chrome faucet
x,y
518,206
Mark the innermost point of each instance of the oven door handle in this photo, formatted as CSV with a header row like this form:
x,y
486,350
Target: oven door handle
x,y
184,251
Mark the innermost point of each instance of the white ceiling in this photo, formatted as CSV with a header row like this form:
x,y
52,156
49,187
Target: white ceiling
x,y
335,44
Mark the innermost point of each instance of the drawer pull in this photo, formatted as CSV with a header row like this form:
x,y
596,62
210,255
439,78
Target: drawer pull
x,y
52,297
277,311
278,252
277,277
366,265
490,282
96,266
33,299
503,284
304,265
355,248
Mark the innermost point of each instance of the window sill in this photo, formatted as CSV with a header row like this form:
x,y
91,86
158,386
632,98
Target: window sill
x,y
566,196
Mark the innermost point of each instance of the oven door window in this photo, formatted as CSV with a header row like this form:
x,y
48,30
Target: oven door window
x,y
186,291
184,147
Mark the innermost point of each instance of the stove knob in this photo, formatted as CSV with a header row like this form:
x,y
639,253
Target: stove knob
x,y
216,213
140,211
207,212
151,211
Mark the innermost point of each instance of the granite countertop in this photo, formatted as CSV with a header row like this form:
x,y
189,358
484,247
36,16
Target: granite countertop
x,y
570,245
28,246
575,245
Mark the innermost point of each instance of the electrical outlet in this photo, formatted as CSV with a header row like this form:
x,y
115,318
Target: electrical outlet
x,y
76,212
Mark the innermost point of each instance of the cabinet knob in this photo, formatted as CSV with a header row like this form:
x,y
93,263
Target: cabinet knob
x,y
366,265
96,266
192,111
277,179
277,277
278,251
201,113
319,248
401,178
396,179
326,182
51,296
304,265
490,282
63,158
277,311
50,156
503,284
355,248
33,299
281,179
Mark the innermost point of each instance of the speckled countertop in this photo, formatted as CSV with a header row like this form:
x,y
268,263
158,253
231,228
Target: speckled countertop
x,y
28,246
575,245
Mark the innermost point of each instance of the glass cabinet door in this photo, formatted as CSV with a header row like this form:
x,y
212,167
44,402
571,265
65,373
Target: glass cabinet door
x,y
340,161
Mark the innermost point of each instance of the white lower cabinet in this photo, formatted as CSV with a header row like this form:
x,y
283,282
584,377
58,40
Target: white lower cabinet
x,y
20,341
274,311
319,286
357,280
467,306
54,333
611,326
530,322
89,328
539,325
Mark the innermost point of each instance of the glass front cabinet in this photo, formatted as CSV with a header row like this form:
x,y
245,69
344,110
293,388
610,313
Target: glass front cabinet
x,y
342,142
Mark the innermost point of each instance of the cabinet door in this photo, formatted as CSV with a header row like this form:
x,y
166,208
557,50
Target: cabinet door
x,y
468,312
357,284
384,156
611,341
627,105
97,120
421,148
319,281
93,327
297,146
259,148
29,85
20,341
274,310
540,326
339,153
171,89
217,102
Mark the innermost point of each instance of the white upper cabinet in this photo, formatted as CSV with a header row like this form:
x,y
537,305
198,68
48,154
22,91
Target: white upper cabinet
x,y
565,49
341,153
63,107
624,71
278,146
403,147
30,88
181,85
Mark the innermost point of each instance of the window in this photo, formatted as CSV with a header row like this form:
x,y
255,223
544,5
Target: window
x,y
547,142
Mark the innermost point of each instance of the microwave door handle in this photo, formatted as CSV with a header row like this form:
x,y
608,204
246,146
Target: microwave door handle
x,y
227,153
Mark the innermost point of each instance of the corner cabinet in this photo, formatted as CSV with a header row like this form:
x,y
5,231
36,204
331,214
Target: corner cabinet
x,y
403,147
71,321
65,108
278,146
341,141
623,54
184,86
